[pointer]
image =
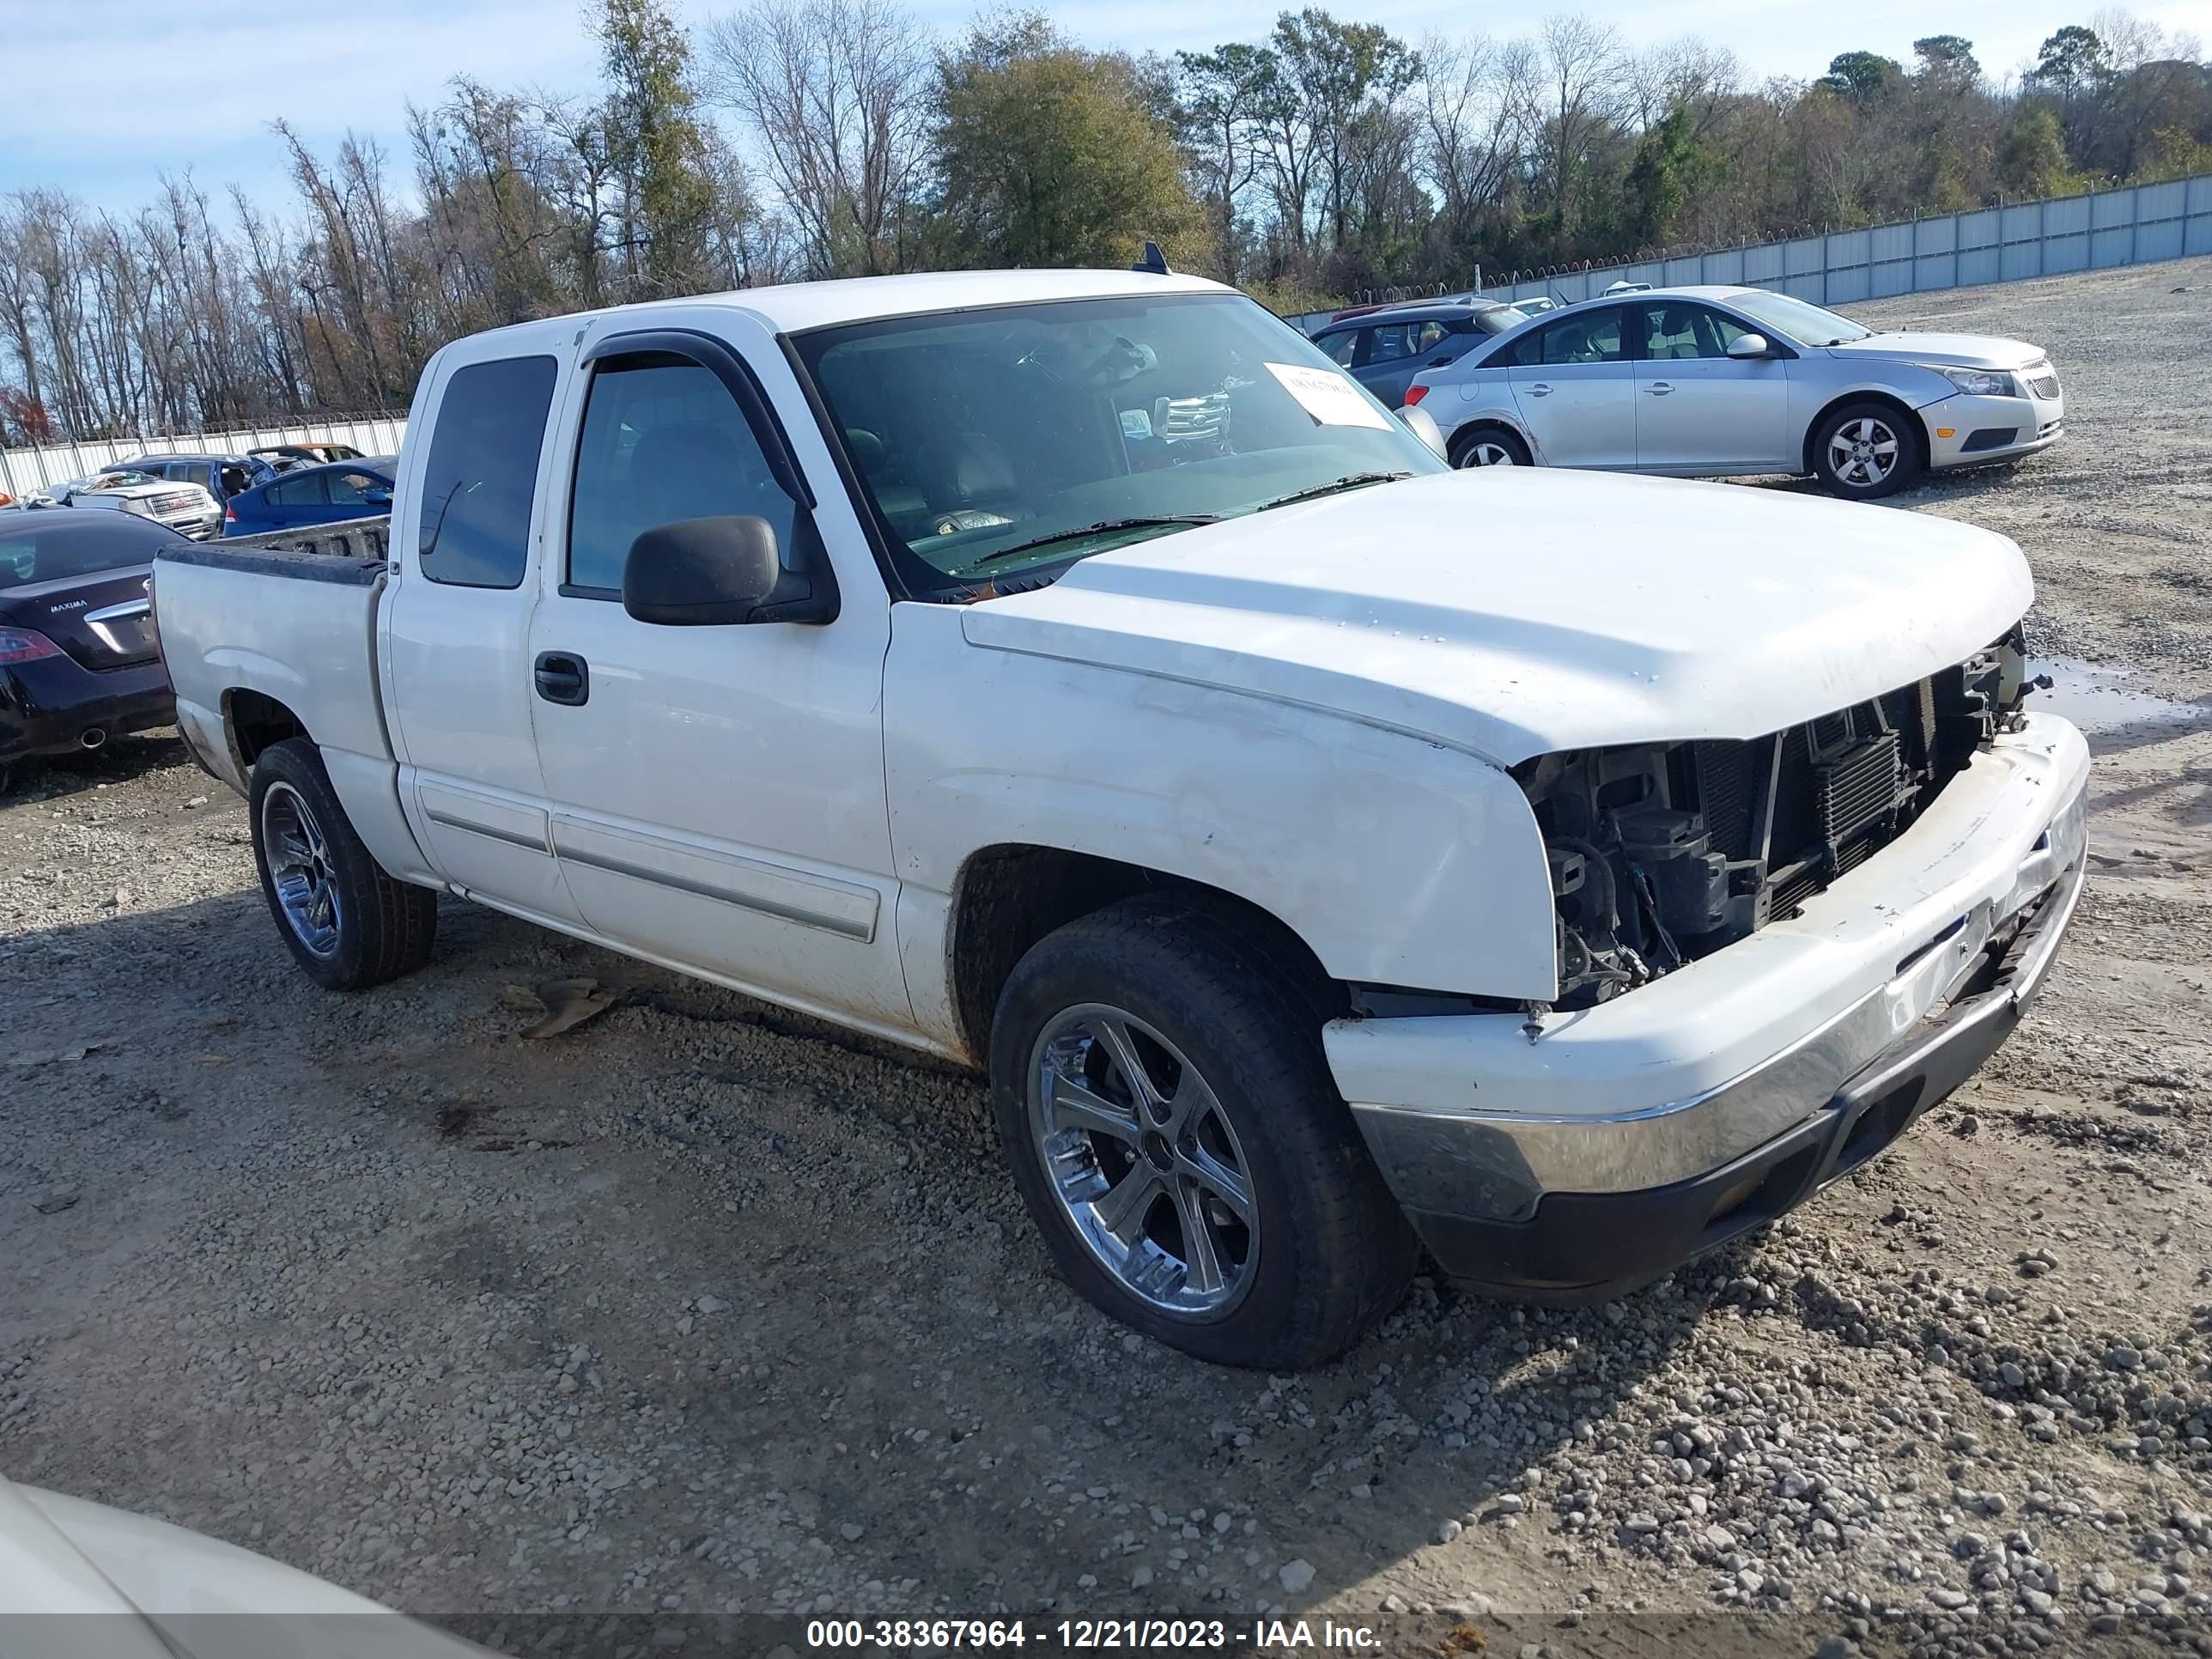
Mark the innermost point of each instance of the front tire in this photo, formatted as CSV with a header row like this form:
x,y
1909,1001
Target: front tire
x,y
1864,451
1490,446
347,923
1162,1097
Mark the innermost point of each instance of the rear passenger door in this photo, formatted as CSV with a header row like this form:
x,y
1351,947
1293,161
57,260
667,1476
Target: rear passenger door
x,y
1576,389
717,792
454,656
294,502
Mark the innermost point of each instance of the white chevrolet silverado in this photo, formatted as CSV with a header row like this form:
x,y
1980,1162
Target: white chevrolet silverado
x,y
1326,854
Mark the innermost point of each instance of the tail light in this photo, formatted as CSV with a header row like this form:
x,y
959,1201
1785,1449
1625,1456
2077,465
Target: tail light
x,y
152,615
23,645
1414,393
229,512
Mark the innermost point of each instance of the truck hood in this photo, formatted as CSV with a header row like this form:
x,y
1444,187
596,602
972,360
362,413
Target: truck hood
x,y
1511,612
1960,350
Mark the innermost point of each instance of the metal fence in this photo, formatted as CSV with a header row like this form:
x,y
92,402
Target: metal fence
x,y
2108,228
24,472
2132,226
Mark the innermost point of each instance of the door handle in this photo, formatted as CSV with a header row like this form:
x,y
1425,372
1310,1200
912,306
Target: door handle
x,y
563,677
1659,388
1539,390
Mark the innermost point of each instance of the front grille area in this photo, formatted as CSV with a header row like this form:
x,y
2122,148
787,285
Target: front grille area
x,y
180,501
1793,811
2044,384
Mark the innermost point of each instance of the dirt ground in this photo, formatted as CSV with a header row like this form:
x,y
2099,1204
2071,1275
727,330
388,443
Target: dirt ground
x,y
703,1309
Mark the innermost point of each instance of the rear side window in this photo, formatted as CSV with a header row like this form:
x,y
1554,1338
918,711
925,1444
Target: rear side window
x,y
474,531
294,492
663,441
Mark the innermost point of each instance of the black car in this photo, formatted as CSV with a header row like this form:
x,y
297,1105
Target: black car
x,y
79,661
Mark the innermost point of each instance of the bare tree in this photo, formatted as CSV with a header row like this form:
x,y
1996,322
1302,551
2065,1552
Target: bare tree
x,y
835,93
1580,64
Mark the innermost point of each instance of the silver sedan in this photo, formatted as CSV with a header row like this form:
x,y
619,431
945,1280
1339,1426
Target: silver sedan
x,y
1707,382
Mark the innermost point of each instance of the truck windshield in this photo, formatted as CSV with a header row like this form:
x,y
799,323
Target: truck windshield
x,y
991,443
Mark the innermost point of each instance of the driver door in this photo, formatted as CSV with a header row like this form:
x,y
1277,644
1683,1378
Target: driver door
x,y
1700,411
717,792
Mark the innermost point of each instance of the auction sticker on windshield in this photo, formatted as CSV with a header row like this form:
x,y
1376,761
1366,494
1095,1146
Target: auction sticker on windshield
x,y
1327,396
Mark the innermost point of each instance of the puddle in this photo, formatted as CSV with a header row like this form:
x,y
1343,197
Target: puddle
x,y
2099,699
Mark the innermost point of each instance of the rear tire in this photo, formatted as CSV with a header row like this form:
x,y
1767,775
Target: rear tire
x,y
347,923
1226,1205
1866,451
1490,446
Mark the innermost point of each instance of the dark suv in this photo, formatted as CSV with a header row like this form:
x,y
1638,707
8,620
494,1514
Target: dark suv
x,y
1384,349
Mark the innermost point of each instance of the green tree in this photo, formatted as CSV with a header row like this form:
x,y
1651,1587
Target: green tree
x,y
1050,155
1224,97
1864,78
1947,61
1660,178
658,148
2072,60
1338,74
2032,156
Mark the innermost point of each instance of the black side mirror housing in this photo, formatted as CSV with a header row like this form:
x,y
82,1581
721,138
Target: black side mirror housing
x,y
717,572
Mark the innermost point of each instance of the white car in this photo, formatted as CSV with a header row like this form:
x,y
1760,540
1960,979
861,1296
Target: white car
x,y
187,509
80,1579
1708,382
1319,848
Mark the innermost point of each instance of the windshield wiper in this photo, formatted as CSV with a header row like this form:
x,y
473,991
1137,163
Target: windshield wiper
x,y
1349,481
1102,527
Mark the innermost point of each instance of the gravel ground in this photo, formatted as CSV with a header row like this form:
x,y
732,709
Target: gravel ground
x,y
702,1308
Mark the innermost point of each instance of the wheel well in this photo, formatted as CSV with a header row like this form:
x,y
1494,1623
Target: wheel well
x,y
1467,433
1010,897
1912,419
254,720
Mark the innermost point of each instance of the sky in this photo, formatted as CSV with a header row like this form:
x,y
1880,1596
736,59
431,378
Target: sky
x,y
163,87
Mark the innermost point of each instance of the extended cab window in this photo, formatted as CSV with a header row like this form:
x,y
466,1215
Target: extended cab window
x,y
483,471
663,441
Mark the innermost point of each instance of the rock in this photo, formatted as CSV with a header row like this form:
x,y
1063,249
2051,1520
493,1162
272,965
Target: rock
x,y
1643,1523
2122,1358
1139,1579
1392,1603
55,1202
1750,1581
712,1304
1295,1577
1835,1647
1447,1531
851,1532
1509,1502
1949,1600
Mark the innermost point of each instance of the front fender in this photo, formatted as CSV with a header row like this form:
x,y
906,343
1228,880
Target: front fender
x,y
1398,860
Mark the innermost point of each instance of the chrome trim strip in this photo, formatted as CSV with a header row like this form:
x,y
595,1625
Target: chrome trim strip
x,y
117,613
484,829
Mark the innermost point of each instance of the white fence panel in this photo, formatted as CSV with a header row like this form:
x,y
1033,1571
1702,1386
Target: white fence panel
x,y
25,471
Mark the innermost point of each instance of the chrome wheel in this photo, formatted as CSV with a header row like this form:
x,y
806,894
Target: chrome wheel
x,y
1863,452
1487,452
299,869
1142,1159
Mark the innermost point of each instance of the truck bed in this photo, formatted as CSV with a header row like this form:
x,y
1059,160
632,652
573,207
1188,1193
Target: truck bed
x,y
290,616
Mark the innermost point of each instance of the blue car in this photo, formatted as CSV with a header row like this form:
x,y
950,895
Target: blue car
x,y
308,496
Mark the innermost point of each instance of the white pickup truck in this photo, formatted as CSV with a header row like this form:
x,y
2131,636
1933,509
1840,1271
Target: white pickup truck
x,y
1075,674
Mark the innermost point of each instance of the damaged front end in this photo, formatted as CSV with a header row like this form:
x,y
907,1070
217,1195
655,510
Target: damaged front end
x,y
1662,853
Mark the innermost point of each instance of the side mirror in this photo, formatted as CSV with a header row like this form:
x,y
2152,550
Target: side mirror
x,y
1422,425
377,496
1748,346
715,572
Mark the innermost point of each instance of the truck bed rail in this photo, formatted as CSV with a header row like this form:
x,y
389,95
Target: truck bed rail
x,y
353,554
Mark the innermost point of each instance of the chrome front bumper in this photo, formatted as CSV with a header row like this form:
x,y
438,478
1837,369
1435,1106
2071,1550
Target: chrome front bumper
x,y
1689,1076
